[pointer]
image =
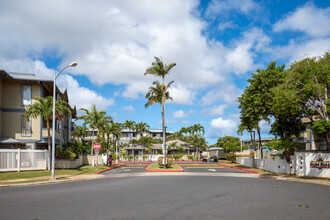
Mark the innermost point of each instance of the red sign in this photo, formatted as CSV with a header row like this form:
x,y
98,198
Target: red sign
x,y
97,146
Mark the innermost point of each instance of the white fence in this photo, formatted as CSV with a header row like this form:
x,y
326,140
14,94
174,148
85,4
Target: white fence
x,y
18,160
300,164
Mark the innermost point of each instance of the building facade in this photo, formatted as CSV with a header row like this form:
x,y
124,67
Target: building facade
x,y
17,91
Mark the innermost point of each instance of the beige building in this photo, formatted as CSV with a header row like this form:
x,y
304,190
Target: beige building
x,y
308,141
17,91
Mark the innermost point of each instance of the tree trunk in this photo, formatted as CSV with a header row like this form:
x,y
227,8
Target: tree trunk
x,y
49,144
92,142
260,144
164,138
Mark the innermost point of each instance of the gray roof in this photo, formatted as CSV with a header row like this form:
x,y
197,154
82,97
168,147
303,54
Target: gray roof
x,y
8,140
27,76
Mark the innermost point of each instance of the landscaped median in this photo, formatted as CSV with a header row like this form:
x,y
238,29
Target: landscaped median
x,y
156,168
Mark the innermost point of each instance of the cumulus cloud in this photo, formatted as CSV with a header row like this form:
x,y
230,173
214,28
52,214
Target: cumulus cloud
x,y
214,110
117,41
227,93
181,114
309,19
216,7
220,127
128,108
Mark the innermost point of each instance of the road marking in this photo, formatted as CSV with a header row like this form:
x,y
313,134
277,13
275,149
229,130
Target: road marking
x,y
204,167
212,170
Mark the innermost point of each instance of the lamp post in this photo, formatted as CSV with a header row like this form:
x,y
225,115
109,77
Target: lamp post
x,y
73,64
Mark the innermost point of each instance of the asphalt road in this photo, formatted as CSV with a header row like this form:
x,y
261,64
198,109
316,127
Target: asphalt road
x,y
167,197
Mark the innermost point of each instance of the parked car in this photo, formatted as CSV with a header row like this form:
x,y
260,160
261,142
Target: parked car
x,y
214,159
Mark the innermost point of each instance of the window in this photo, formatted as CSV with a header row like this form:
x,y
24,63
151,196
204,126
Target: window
x,y
26,94
26,126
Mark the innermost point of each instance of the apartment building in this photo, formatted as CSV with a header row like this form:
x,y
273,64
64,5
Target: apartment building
x,y
308,141
17,91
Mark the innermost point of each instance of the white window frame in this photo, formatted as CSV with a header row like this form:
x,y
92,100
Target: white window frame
x,y
26,128
26,100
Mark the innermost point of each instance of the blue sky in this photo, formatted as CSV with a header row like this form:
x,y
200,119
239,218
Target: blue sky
x,y
216,45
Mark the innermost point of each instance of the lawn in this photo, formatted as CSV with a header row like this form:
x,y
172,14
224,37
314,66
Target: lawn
x,y
173,167
83,170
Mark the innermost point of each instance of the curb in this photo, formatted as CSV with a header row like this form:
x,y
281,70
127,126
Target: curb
x,y
110,168
169,171
237,168
188,161
135,161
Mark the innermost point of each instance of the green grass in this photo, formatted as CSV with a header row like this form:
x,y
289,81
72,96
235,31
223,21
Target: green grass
x,y
155,166
83,170
248,168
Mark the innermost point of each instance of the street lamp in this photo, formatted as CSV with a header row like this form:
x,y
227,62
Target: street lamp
x,y
73,64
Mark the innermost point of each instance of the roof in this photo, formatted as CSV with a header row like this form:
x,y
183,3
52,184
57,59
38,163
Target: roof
x,y
27,76
8,140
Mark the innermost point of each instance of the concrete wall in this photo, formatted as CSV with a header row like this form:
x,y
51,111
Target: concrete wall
x,y
70,164
88,159
302,164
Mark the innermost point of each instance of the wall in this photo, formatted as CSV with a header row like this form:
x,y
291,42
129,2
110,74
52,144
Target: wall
x,y
302,165
69,164
89,158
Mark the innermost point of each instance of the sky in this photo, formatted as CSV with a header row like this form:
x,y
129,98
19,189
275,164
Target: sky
x,y
215,44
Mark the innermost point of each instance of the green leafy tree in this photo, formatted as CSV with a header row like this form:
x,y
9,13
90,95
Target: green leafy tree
x,y
130,126
257,99
229,144
308,82
43,107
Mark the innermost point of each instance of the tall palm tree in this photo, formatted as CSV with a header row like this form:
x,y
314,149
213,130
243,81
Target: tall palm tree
x,y
130,126
43,107
160,70
157,94
142,127
95,120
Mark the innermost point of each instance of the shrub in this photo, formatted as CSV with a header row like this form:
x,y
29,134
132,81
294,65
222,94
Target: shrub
x,y
145,158
180,156
169,162
190,157
231,157
130,157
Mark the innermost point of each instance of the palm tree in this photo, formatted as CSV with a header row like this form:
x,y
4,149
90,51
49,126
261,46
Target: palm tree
x,y
43,107
95,120
159,69
80,132
142,127
130,126
116,133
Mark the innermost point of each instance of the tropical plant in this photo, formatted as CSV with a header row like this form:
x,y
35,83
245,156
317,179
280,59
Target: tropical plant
x,y
142,127
43,107
160,70
95,120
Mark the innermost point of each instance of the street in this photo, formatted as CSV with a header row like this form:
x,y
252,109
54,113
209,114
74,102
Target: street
x,y
129,194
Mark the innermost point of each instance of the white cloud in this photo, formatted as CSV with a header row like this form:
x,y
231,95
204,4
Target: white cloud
x,y
309,19
221,127
223,92
128,108
243,6
181,95
214,110
181,114
225,25
117,41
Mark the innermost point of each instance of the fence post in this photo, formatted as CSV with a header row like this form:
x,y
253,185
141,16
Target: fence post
x,y
46,156
18,160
